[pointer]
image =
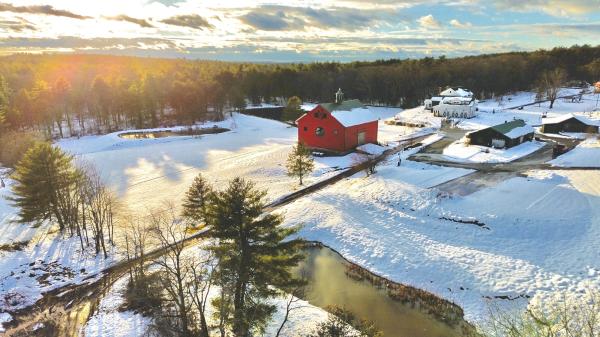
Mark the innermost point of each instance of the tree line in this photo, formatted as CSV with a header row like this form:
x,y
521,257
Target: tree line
x,y
66,95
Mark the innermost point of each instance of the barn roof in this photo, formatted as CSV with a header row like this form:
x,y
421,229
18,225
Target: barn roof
x,y
563,118
514,129
350,113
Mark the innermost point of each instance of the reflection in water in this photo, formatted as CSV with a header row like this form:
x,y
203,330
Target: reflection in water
x,y
329,285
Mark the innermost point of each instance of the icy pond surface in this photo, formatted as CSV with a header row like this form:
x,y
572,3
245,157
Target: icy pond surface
x,y
329,285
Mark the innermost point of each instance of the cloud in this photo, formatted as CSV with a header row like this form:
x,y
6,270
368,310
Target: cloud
x,y
429,22
280,18
140,22
268,21
458,24
44,9
78,43
552,7
192,21
17,25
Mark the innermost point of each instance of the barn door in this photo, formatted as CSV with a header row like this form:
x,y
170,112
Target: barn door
x,y
361,138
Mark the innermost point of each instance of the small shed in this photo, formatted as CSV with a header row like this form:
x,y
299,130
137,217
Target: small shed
x,y
569,123
337,127
505,135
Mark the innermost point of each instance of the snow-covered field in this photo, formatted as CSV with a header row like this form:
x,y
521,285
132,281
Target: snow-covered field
x,y
586,154
461,152
541,234
147,173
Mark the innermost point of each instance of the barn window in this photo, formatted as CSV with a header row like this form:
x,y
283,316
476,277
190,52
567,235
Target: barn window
x,y
305,128
316,115
320,131
335,132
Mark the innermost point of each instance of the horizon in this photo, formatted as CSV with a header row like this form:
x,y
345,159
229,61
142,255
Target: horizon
x,y
295,31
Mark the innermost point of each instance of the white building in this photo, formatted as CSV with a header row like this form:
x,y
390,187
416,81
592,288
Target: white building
x,y
453,103
456,107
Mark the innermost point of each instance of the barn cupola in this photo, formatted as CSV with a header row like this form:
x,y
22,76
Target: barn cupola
x,y
339,96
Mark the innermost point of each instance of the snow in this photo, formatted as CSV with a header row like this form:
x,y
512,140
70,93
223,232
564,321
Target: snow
x,y
109,321
562,118
372,149
542,237
146,174
354,117
460,152
586,154
496,111
519,131
459,92
419,115
4,318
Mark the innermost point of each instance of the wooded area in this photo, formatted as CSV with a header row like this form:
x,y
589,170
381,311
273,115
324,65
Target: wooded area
x,y
65,95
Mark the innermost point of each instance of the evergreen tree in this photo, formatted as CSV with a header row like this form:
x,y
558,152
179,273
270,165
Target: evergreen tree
x,y
300,163
197,200
4,96
253,257
45,180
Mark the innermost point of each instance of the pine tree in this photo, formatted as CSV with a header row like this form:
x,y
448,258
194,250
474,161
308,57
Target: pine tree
x,y
197,200
254,255
300,163
45,180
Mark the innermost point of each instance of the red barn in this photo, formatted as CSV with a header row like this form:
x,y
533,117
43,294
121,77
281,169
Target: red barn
x,y
337,127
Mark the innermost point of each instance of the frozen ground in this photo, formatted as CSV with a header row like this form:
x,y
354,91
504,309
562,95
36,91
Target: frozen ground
x,y
461,152
541,233
586,154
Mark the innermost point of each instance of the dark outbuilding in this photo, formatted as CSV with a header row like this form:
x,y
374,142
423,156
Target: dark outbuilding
x,y
569,123
505,135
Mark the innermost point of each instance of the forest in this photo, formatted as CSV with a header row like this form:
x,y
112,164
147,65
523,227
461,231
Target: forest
x,y
65,95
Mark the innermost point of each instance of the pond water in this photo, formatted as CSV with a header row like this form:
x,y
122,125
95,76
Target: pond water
x,y
330,285
171,133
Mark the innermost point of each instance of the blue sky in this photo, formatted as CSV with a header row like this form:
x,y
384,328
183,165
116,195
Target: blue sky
x,y
295,31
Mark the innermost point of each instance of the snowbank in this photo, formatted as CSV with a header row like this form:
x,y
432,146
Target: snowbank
x,y
461,152
586,154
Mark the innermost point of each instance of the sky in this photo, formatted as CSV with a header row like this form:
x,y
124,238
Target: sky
x,y
295,30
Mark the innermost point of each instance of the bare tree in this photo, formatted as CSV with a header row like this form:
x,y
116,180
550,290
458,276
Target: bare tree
x,y
185,277
293,298
550,83
99,206
564,316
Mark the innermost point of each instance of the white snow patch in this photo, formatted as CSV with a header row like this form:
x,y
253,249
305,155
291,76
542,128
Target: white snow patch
x,y
460,152
586,154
